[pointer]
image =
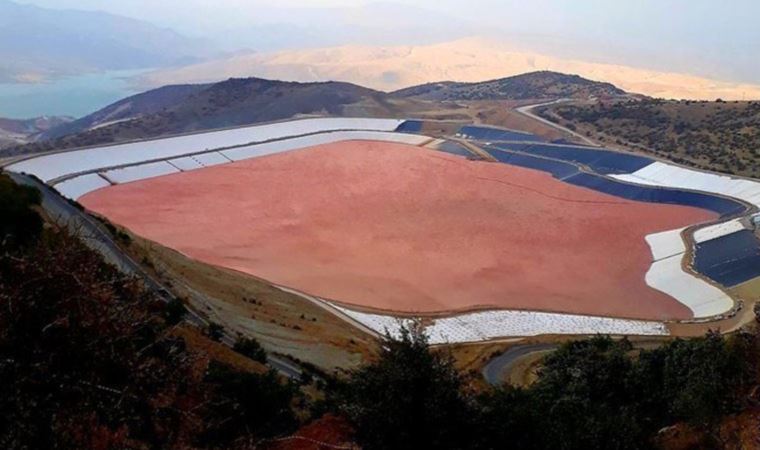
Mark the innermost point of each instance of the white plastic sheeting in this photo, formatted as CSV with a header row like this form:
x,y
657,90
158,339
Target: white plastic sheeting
x,y
253,151
666,244
716,231
667,275
704,299
141,172
668,175
199,161
486,325
210,159
77,187
185,163
53,166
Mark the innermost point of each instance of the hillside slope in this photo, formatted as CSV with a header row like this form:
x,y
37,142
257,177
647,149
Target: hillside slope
x,y
235,102
139,105
534,85
723,136
14,131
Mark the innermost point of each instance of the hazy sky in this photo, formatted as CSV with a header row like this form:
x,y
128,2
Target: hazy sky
x,y
714,38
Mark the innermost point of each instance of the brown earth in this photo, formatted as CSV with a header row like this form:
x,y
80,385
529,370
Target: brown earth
x,y
717,136
208,350
503,114
735,432
283,323
327,432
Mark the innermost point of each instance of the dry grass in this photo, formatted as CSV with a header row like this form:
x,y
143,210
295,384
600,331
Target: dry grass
x,y
503,114
720,136
749,290
216,351
283,323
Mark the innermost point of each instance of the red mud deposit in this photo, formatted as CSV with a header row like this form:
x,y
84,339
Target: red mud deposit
x,y
396,227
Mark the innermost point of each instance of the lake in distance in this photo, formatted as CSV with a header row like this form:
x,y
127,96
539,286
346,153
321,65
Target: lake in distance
x,y
74,96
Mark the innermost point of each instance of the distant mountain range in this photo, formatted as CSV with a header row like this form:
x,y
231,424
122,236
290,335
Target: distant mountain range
x,y
390,68
186,108
15,132
38,43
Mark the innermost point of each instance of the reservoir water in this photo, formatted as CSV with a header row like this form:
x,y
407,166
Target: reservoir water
x,y
68,96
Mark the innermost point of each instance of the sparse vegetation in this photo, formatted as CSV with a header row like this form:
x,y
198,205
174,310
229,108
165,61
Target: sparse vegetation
x,y
175,311
529,86
235,102
709,135
215,331
251,348
118,234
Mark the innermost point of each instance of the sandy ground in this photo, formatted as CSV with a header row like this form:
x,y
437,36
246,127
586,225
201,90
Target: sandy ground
x,y
504,114
400,228
472,59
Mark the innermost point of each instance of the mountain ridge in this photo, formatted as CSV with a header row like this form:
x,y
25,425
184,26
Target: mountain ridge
x,y
234,102
244,101
21,131
70,42
531,85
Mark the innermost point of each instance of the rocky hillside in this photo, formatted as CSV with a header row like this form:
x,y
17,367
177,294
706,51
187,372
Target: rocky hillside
x,y
534,85
242,101
14,131
235,102
723,136
147,103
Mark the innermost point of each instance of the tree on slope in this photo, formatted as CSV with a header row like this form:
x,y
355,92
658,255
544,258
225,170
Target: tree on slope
x,y
411,397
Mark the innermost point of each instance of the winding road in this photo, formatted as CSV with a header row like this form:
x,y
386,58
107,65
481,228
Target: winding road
x,y
497,369
527,111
